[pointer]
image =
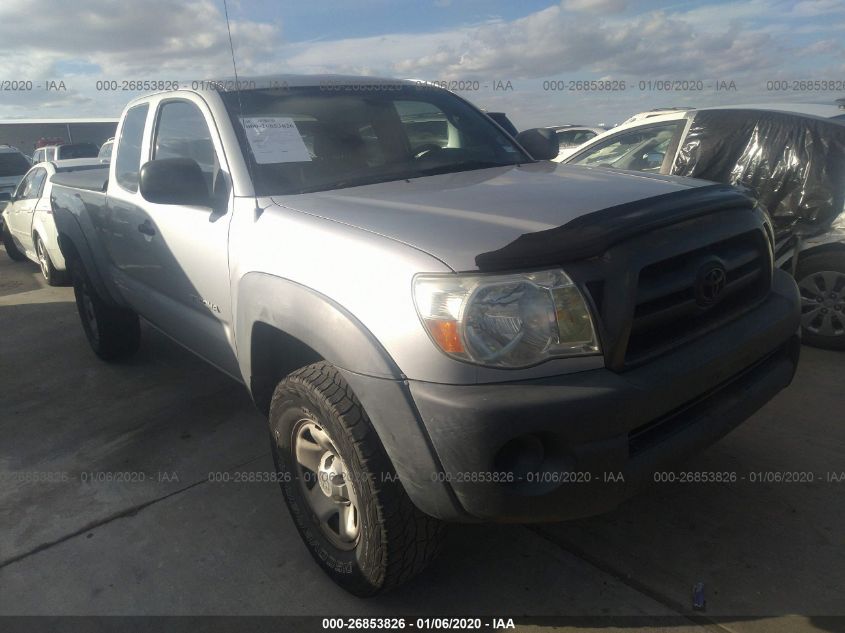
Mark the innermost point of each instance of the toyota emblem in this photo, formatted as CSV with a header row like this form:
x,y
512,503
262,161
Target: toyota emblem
x,y
709,284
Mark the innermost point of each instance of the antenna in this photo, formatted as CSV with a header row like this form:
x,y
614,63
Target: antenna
x,y
258,210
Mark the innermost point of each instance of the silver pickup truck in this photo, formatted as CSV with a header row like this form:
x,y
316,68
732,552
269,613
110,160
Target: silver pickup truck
x,y
438,326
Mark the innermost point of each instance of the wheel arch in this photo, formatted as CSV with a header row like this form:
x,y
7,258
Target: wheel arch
x,y
75,251
821,249
283,325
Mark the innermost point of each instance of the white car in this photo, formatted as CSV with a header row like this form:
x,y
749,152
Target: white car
x,y
29,230
571,137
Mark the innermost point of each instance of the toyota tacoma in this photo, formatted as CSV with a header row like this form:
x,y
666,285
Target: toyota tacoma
x,y
440,324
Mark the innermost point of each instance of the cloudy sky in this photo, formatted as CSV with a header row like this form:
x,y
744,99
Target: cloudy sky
x,y
519,57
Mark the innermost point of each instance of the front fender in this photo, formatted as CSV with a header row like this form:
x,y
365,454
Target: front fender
x,y
339,338
316,320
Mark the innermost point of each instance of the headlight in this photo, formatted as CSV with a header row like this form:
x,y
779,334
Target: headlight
x,y
506,320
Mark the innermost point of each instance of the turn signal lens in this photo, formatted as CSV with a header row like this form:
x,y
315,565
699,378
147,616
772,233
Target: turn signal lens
x,y
506,321
445,334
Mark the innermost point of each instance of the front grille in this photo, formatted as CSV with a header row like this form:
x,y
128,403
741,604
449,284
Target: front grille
x,y
668,311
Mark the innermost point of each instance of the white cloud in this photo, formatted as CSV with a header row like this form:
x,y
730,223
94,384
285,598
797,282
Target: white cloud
x,y
595,6
168,39
125,39
812,8
544,44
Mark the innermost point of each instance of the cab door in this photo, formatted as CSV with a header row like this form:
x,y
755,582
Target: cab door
x,y
180,252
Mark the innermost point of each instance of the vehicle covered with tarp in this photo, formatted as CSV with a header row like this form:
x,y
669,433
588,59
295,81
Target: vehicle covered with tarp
x,y
794,164
790,157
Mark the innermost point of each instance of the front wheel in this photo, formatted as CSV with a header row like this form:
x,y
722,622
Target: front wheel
x,y
339,484
821,280
114,333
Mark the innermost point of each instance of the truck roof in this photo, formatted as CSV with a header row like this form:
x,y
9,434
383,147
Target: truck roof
x,y
268,82
260,82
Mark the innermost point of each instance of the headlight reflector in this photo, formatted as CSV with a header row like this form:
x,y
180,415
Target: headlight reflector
x,y
506,320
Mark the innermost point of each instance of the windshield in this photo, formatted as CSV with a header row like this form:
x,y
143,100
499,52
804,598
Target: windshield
x,y
13,164
78,150
315,139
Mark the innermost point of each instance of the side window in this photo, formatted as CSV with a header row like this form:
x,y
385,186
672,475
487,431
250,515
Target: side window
x,y
24,186
128,161
181,132
640,149
40,177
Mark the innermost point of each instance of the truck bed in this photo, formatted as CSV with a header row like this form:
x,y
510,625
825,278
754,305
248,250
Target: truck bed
x,y
89,179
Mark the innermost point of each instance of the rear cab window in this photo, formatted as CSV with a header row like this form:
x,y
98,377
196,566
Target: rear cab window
x,y
128,160
181,131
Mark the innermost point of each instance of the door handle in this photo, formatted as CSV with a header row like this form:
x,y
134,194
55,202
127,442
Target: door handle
x,y
146,227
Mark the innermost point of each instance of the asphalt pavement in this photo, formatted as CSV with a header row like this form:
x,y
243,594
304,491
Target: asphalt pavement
x,y
140,489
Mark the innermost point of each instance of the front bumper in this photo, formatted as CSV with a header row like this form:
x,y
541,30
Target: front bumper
x,y
554,448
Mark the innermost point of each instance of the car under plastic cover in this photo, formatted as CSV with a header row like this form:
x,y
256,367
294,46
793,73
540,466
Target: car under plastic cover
x,y
794,165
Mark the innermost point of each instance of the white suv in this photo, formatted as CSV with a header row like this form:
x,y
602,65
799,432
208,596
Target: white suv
x,y
29,230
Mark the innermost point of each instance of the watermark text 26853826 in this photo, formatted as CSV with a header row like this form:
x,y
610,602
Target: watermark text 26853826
x,y
805,85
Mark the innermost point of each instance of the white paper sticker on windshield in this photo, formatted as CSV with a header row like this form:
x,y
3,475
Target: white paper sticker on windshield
x,y
275,140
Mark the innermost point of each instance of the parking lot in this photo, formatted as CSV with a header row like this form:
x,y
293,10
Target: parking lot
x,y
165,539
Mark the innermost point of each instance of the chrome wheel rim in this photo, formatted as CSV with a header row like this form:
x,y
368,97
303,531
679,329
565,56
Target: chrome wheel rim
x,y
823,303
41,253
326,485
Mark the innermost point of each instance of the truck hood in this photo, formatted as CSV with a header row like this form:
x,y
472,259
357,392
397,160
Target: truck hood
x,y
456,217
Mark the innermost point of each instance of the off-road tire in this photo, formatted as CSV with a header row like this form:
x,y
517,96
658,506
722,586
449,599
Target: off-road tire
x,y
395,540
114,333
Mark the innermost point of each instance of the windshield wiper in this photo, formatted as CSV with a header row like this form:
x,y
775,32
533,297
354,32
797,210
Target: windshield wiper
x,y
371,179
467,165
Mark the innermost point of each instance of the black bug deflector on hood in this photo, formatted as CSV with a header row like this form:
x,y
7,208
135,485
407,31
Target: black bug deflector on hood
x,y
592,234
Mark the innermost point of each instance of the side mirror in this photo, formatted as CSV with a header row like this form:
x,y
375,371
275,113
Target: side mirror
x,y
174,181
541,143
